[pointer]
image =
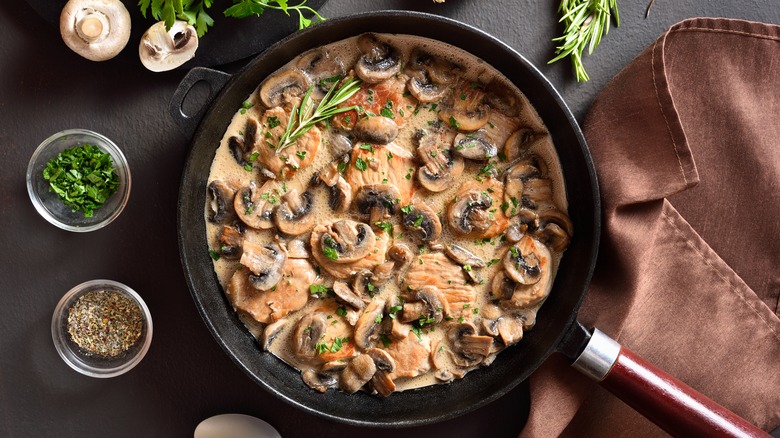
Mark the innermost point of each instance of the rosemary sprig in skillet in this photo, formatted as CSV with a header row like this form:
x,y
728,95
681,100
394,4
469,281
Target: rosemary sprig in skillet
x,y
304,117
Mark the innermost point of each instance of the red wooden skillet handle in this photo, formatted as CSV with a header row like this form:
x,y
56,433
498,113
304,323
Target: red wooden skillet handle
x,y
671,404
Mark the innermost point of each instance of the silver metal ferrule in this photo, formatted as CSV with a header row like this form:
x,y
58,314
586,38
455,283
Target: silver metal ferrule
x,y
598,357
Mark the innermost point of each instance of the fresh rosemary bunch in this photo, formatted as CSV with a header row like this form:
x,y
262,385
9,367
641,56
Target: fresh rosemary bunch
x,y
585,22
304,117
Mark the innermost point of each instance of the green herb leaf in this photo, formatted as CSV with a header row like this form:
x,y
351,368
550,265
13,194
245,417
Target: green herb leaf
x,y
360,164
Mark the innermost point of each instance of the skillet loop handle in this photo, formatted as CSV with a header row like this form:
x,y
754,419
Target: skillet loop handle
x,y
215,79
666,401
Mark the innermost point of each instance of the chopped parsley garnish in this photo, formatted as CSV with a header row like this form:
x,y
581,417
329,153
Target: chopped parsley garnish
x,y
273,122
387,112
454,123
360,164
329,249
342,167
341,311
417,331
393,311
248,167
409,173
406,210
367,147
418,220
301,154
318,289
387,227
492,262
83,177
214,255
386,342
254,156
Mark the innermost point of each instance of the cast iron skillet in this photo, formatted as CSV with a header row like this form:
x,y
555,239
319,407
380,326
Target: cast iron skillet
x,y
556,329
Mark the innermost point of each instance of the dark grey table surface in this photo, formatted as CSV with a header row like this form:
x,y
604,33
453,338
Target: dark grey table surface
x,y
186,377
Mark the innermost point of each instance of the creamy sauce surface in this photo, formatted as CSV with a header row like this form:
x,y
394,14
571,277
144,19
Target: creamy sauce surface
x,y
440,354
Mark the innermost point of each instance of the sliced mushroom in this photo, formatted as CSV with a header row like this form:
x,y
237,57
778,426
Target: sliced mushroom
x,y
265,262
522,262
465,109
95,29
379,60
502,287
284,88
308,332
271,332
441,167
429,296
475,146
470,212
468,349
521,141
555,229
502,99
255,206
462,256
317,381
334,366
220,201
510,329
347,295
357,373
402,255
346,241
363,286
382,272
376,129
378,201
536,192
164,49
367,327
422,222
527,295
431,76
230,240
294,214
385,366
324,69
339,144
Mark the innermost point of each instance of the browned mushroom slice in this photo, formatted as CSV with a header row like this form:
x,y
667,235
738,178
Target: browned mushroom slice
x,y
367,327
522,140
462,256
271,332
524,260
230,241
357,373
220,196
475,146
379,60
378,201
431,76
385,366
294,214
427,307
441,167
465,109
421,222
324,68
501,98
527,295
265,262
502,287
345,247
510,329
475,212
290,294
468,349
403,256
318,381
255,206
555,229
308,333
296,249
347,295
285,88
376,130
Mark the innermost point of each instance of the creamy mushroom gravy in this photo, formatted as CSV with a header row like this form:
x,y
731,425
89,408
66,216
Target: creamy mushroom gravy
x,y
358,255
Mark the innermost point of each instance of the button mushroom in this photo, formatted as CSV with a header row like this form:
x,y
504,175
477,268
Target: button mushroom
x,y
265,262
441,167
501,98
527,295
431,76
470,212
318,381
375,129
367,327
521,141
164,49
324,69
522,262
308,332
465,109
294,214
357,373
555,229
345,241
475,146
385,366
403,256
255,206
468,349
220,201
347,295
230,240
470,262
421,221
379,60
378,201
95,29
285,89
427,307
271,332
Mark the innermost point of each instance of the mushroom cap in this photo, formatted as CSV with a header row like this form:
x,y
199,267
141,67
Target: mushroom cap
x,y
95,29
164,49
379,60
422,222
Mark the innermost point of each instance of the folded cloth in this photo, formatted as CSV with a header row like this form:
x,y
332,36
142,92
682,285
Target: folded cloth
x,y
686,142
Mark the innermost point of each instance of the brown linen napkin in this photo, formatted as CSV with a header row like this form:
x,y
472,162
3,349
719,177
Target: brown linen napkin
x,y
688,274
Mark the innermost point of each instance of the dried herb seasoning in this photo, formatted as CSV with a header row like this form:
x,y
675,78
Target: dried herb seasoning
x,y
105,323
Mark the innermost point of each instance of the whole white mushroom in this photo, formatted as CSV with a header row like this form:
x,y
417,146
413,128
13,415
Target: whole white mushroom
x,y
95,29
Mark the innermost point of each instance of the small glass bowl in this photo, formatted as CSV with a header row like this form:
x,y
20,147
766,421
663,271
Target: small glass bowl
x,y
93,365
48,203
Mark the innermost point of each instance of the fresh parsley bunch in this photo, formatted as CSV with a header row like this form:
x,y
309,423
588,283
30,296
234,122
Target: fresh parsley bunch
x,y
194,11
